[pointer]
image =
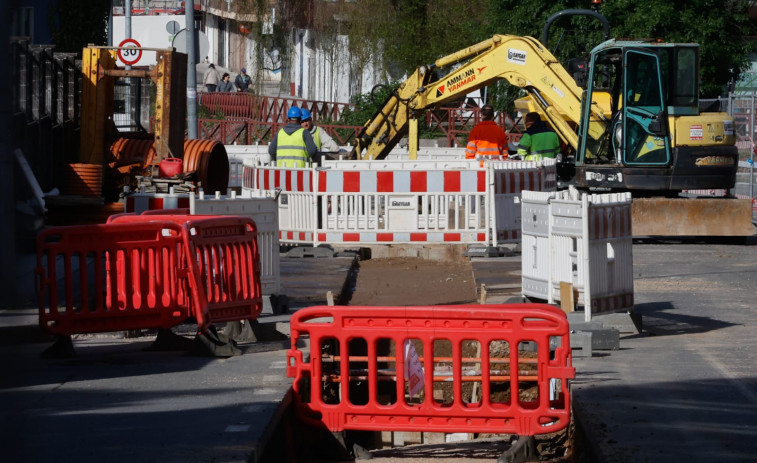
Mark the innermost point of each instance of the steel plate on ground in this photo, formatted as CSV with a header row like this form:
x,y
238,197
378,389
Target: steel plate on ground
x,y
691,217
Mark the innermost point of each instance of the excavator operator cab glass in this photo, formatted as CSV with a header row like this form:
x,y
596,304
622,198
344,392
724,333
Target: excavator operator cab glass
x,y
641,132
626,123
603,90
686,85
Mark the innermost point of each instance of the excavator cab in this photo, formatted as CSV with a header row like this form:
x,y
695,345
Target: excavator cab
x,y
634,130
652,134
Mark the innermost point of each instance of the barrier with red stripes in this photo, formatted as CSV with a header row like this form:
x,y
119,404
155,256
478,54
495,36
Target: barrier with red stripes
x,y
141,202
510,179
585,240
379,202
99,278
470,368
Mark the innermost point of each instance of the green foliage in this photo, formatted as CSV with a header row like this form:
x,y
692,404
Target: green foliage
x,y
719,26
410,33
76,23
203,112
416,32
366,105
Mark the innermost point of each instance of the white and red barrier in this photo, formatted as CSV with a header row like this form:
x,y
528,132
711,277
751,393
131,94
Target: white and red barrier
x,y
584,240
263,210
141,202
385,202
510,179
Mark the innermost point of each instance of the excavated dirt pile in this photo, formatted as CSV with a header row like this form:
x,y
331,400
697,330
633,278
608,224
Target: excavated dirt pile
x,y
412,281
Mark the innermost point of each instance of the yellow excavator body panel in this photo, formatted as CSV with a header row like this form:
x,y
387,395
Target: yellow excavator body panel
x,y
706,129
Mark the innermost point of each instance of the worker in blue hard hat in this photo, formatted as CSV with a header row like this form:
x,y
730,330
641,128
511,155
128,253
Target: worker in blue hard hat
x,y
293,146
323,140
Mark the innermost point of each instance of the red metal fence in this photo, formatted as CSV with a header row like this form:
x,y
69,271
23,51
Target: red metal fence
x,y
472,368
250,119
249,131
268,108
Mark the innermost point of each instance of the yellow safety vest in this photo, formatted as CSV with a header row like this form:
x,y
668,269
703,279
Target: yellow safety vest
x,y
317,138
291,150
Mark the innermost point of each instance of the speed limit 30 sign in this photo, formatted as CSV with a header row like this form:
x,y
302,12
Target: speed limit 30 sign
x,y
130,52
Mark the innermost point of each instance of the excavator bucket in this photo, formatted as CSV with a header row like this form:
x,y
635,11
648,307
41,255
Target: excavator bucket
x,y
692,217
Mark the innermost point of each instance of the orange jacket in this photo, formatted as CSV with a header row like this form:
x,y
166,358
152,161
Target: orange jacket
x,y
486,139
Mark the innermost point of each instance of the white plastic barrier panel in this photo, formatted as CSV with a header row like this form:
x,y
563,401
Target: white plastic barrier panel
x,y
141,202
295,191
419,201
510,179
536,255
588,243
402,206
264,212
238,154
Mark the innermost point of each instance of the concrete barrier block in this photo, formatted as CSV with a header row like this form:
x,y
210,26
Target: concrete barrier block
x,y
580,343
309,251
604,339
275,304
624,322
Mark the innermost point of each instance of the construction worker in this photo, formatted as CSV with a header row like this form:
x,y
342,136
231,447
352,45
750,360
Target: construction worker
x,y
539,142
486,138
293,146
323,141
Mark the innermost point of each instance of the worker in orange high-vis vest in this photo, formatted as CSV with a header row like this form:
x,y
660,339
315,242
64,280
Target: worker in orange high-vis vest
x,y
486,138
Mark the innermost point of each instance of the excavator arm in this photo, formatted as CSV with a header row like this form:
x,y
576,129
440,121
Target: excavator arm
x,y
523,61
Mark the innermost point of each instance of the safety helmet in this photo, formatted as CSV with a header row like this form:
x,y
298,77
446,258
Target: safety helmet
x,y
306,114
294,113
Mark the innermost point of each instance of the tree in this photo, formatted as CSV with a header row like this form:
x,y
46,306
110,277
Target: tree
x,y
719,26
76,23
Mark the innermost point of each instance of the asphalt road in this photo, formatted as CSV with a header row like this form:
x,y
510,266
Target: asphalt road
x,y
683,390
118,402
686,388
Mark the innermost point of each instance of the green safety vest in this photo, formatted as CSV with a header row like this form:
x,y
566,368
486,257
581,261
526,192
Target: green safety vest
x,y
291,150
539,146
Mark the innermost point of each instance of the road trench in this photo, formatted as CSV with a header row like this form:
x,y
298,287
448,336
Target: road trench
x,y
409,281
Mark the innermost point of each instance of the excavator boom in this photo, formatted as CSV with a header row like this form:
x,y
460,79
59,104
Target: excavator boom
x,y
522,61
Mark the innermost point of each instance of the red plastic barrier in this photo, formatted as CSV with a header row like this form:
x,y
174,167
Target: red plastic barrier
x,y
471,368
224,264
178,216
99,278
177,211
225,276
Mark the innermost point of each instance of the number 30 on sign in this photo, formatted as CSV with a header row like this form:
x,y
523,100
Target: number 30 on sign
x,y
130,52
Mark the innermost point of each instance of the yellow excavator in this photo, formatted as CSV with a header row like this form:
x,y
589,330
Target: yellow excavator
x,y
633,124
